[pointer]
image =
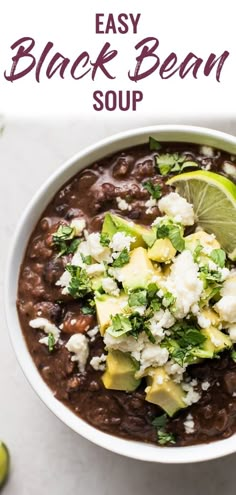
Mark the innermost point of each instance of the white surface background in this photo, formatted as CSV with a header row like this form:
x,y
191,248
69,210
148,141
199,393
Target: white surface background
x,y
48,458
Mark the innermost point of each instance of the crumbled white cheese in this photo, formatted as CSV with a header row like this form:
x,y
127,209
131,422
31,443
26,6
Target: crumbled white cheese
x,y
140,309
175,206
95,269
153,355
126,344
122,204
207,151
195,309
232,333
192,395
159,380
160,321
189,425
203,322
92,333
184,284
64,281
47,327
226,308
229,286
121,241
175,371
78,224
110,286
230,169
150,203
212,266
216,342
205,385
96,250
77,259
78,344
98,362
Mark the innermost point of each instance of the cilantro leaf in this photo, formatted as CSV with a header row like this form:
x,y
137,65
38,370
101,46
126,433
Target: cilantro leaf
x,y
133,325
51,342
87,310
233,355
172,231
154,145
137,298
79,285
160,421
104,239
168,299
210,276
173,162
73,246
122,259
86,259
64,240
219,257
120,325
185,339
155,190
197,252
164,437
176,238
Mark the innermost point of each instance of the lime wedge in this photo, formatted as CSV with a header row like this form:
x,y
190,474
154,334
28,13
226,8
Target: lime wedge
x,y
214,201
4,463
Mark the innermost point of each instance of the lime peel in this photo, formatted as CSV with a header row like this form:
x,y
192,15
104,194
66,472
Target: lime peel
x,y
4,463
214,201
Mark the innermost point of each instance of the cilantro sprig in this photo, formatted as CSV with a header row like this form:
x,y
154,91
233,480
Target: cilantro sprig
x,y
173,231
233,355
163,436
122,259
185,338
137,297
79,285
219,257
51,342
132,325
173,162
104,239
154,145
155,190
64,240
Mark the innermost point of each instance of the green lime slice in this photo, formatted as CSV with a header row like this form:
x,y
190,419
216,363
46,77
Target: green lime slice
x,y
214,201
4,463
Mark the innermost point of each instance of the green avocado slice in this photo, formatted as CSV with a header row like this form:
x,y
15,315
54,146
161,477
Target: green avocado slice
x,y
120,372
144,236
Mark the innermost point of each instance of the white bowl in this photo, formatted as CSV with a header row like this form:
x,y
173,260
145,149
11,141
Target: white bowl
x,y
133,449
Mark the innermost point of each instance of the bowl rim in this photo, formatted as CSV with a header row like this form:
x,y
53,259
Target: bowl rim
x,y
129,448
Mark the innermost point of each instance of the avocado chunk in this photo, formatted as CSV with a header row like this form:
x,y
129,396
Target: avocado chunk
x,y
202,238
137,274
164,392
107,306
96,282
162,251
108,226
114,223
120,371
216,341
211,315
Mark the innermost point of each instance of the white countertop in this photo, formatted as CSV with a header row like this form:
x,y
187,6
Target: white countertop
x,y
48,458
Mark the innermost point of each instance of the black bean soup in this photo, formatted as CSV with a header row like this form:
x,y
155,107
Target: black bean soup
x,y
90,194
